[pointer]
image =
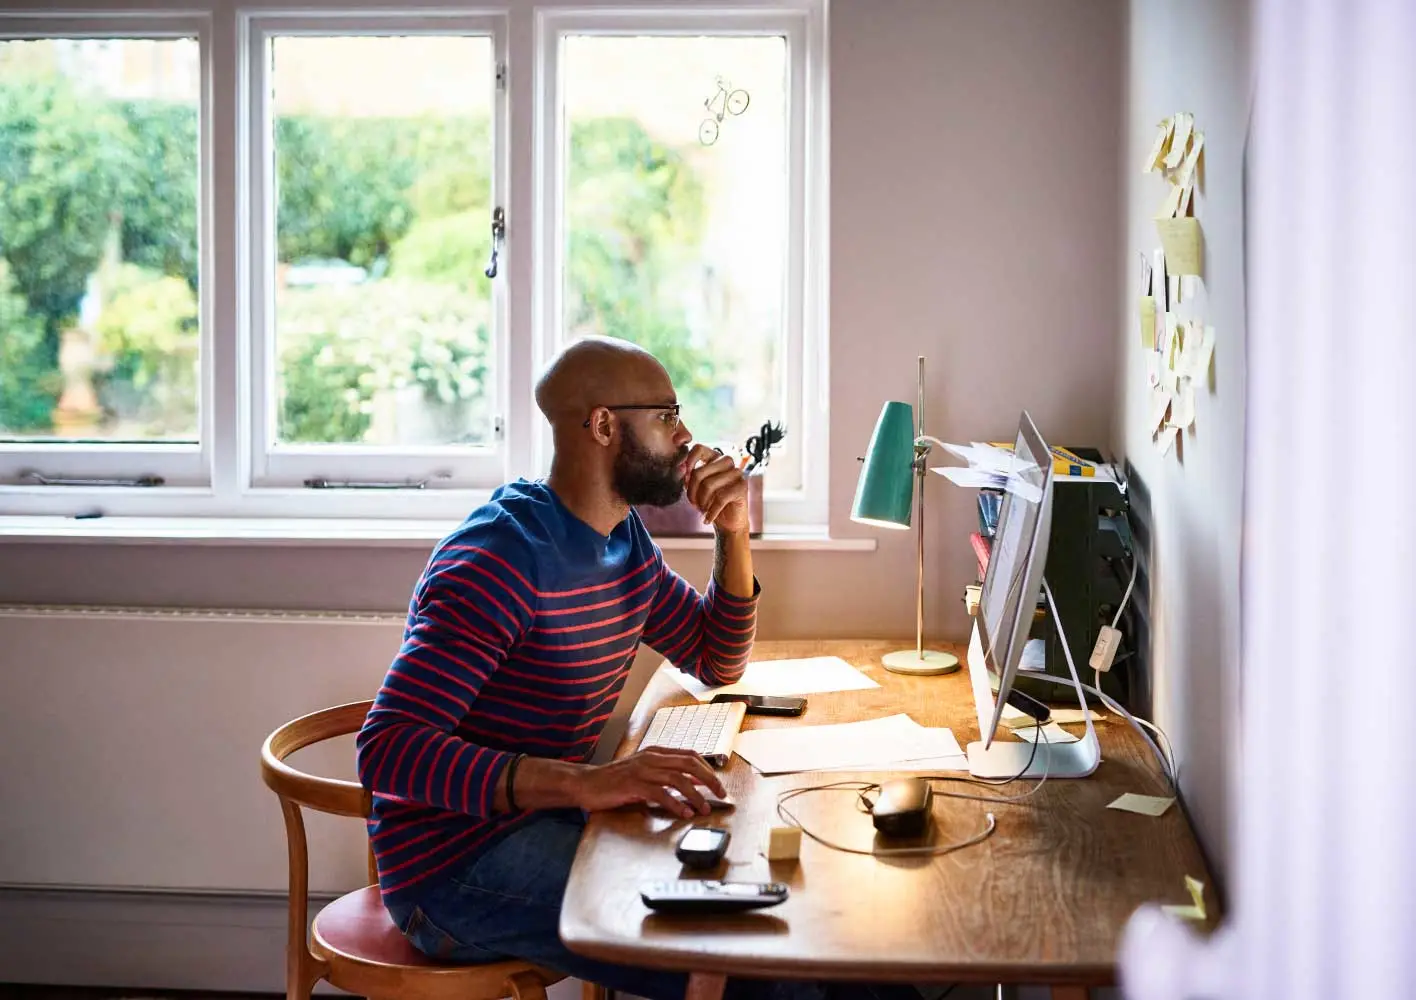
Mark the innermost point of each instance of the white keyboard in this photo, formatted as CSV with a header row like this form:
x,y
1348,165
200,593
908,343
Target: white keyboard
x,y
708,730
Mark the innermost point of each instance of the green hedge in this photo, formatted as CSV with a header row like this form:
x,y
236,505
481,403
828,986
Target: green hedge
x,y
341,347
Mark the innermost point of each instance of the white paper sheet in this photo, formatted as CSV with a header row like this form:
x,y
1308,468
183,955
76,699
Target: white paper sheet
x,y
1014,719
815,675
870,744
984,456
925,765
1050,733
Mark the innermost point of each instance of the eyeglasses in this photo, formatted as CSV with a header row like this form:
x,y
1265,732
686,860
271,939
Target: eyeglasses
x,y
669,412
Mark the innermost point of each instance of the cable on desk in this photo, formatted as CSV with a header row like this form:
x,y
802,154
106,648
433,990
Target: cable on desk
x,y
1168,768
862,788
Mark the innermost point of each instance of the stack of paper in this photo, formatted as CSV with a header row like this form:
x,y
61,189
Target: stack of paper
x,y
814,675
994,466
896,742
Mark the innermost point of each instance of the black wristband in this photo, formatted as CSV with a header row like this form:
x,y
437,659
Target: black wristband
x,y
510,779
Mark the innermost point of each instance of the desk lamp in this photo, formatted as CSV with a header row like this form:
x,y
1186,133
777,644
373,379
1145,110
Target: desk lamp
x,y
897,452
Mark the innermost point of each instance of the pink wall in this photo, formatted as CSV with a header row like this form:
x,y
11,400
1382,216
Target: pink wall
x,y
976,218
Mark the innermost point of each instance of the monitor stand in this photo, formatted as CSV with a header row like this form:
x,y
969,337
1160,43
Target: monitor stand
x,y
1009,759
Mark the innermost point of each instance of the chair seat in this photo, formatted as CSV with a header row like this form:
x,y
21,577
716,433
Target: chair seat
x,y
368,954
357,927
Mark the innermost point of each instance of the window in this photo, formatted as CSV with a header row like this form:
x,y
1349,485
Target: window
x,y
377,333
101,319
309,259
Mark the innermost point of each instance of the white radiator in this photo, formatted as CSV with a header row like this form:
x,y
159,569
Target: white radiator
x,y
131,741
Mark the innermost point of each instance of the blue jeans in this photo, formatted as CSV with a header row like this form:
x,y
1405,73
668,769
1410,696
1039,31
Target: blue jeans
x,y
507,903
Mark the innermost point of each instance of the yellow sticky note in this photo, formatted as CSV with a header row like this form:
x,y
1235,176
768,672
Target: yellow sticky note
x,y
1148,322
1161,147
1186,205
1183,411
1171,205
1159,404
1180,142
1174,342
1183,244
1146,805
1201,355
1067,716
1196,909
1190,167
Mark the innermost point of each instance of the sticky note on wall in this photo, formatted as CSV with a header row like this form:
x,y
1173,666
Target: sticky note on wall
x,y
1180,141
1183,243
1161,147
1200,366
1148,322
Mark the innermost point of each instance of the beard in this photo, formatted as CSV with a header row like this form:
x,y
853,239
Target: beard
x,y
642,478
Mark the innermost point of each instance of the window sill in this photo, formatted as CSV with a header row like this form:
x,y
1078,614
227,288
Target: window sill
x,y
324,532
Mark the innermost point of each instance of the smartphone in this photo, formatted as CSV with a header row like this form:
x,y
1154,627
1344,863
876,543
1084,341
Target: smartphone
x,y
762,704
702,846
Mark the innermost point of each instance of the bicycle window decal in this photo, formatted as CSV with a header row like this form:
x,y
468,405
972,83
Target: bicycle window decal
x,y
727,101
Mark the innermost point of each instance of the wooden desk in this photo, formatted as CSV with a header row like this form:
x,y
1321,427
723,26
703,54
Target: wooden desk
x,y
1044,900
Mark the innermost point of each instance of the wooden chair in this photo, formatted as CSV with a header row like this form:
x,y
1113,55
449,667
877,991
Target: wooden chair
x,y
353,942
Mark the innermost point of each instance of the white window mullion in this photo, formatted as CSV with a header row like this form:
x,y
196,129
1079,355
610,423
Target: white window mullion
x,y
547,183
224,381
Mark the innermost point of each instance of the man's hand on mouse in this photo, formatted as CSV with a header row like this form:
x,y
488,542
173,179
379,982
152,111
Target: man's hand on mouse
x,y
716,486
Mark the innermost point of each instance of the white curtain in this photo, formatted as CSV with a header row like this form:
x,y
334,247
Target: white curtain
x,y
1324,881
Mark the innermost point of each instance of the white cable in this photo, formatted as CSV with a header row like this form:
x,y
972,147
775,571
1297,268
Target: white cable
x,y
861,787
990,824
1166,766
1165,740
1135,564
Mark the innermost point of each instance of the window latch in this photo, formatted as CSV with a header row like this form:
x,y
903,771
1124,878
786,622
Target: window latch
x,y
321,483
498,240
43,480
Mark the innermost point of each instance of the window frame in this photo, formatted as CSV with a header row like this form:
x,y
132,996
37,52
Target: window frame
x,y
184,466
224,475
273,466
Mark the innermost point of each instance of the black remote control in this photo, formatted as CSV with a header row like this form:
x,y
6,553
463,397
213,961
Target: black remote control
x,y
710,896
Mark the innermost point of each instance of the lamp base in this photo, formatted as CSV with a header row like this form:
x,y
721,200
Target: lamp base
x,y
931,661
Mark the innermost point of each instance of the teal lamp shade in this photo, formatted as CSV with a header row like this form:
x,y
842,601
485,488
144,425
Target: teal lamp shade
x,y
883,491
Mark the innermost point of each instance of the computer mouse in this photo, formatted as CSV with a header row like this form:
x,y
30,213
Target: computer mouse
x,y
903,806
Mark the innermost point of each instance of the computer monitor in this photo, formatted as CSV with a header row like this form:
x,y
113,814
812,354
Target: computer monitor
x,y
1011,585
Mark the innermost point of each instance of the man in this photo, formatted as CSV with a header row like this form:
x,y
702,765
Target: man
x,y
520,634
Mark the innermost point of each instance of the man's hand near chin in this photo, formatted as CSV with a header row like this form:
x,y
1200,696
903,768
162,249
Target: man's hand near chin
x,y
717,487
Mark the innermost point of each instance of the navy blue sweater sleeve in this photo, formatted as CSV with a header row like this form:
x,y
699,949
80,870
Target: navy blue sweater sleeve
x,y
476,599
707,635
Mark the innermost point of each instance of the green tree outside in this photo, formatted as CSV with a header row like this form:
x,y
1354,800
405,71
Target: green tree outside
x,y
403,198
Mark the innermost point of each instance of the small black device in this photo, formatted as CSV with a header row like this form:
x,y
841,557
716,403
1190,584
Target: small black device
x,y
902,809
1029,705
702,846
708,896
763,704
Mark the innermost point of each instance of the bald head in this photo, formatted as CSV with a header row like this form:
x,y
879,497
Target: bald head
x,y
599,371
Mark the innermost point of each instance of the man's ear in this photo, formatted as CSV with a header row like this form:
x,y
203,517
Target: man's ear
x,y
602,427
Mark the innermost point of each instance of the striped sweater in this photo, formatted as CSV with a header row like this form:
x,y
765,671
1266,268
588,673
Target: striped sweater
x,y
520,634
